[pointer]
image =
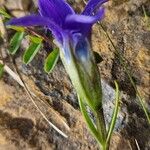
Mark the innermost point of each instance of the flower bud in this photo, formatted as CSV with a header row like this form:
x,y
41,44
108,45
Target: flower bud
x,y
83,72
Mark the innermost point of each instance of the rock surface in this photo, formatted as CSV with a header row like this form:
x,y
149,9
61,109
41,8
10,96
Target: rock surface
x,y
22,126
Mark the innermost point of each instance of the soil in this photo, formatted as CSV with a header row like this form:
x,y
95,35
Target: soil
x,y
21,124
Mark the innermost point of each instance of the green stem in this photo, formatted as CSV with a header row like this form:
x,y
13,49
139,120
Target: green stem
x,y
99,132
101,128
114,115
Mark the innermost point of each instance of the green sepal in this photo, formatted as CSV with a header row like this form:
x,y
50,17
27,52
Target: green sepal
x,y
85,78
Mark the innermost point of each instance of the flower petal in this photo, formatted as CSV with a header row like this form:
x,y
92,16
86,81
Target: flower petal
x,y
91,6
56,10
34,20
81,48
83,18
83,23
31,20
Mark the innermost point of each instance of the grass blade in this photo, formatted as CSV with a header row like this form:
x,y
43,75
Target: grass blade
x,y
114,115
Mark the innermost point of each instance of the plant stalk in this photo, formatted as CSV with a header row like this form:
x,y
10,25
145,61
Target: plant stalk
x,y
101,129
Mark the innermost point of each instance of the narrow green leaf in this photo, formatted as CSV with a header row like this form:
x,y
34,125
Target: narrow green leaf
x,y
1,70
16,28
30,52
35,39
51,61
88,120
15,42
114,115
4,13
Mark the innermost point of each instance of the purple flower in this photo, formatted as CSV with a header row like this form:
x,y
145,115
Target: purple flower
x,y
68,28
